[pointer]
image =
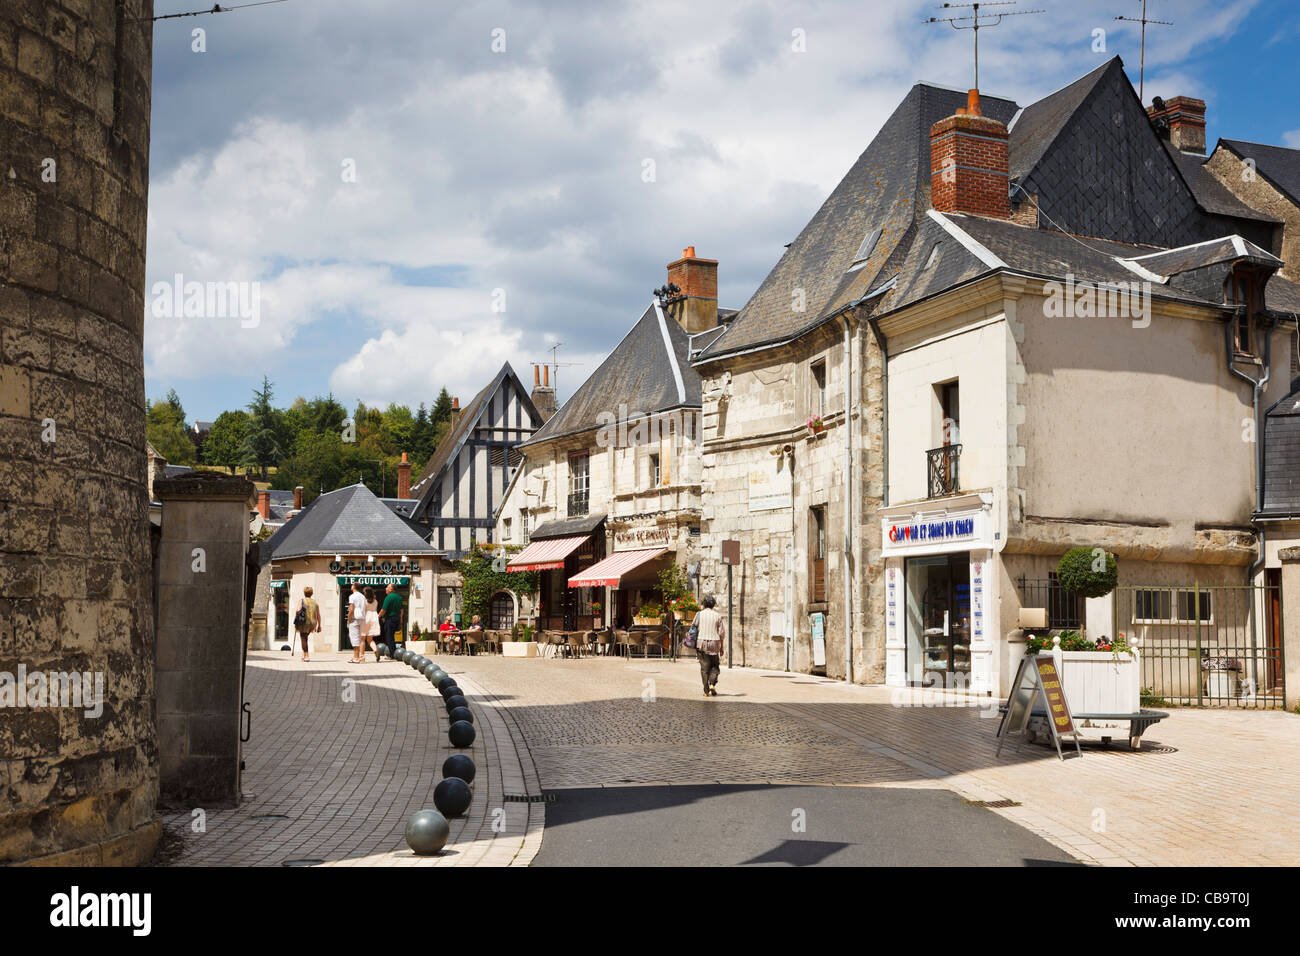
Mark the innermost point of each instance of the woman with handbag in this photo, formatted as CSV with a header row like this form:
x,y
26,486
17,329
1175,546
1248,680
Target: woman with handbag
x,y
708,632
307,620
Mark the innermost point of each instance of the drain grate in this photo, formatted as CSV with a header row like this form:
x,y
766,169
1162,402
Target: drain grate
x,y
991,804
529,798
305,862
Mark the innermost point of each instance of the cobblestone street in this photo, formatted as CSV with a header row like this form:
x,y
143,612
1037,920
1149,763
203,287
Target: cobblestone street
x,y
334,781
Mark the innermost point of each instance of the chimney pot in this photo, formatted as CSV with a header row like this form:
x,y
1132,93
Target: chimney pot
x,y
264,504
455,404
1186,118
969,168
297,498
404,478
537,376
546,375
696,309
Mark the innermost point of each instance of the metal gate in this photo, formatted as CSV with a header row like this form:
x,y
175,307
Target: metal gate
x,y
1216,646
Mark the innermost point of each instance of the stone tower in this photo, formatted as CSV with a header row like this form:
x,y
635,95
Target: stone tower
x,y
76,584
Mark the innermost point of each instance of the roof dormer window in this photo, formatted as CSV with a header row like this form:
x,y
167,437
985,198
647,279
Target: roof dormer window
x,y
1241,290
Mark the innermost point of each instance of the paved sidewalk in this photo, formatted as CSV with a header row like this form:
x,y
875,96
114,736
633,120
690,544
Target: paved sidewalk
x,y
334,780
1209,788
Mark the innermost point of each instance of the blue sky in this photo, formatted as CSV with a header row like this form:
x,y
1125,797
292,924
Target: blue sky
x,y
515,177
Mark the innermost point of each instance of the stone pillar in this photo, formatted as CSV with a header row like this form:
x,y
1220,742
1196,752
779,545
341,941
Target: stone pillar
x,y
200,635
1290,558
79,785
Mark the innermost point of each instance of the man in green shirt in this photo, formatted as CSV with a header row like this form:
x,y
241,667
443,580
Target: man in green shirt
x,y
390,618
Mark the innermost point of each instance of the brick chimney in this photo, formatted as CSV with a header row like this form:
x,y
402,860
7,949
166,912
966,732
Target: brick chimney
x,y
297,498
1184,119
543,394
404,478
264,504
697,309
968,163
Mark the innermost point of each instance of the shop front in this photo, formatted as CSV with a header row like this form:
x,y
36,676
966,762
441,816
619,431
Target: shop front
x,y
938,584
560,550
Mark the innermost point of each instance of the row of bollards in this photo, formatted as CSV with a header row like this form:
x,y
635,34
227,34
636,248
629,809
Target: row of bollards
x,y
427,830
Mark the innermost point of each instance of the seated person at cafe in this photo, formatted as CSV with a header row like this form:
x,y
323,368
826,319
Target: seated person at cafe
x,y
453,636
476,624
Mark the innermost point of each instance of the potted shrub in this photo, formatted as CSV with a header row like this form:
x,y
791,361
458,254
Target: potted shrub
x,y
1221,676
1098,677
521,643
684,608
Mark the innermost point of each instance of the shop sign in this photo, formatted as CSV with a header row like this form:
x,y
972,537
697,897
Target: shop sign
x,y
279,584
374,567
935,535
382,580
643,538
932,530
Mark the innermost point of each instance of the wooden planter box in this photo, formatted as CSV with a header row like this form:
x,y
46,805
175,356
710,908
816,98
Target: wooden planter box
x,y
1099,682
519,649
654,621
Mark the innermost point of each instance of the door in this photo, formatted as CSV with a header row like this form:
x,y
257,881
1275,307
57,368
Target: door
x,y
938,619
1273,630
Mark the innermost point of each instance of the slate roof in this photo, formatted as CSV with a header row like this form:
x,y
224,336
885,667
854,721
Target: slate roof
x,y
569,528
1104,184
647,372
1279,165
1213,196
351,520
1224,249
887,188
281,503
174,470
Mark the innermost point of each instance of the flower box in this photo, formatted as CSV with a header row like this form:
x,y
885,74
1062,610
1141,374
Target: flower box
x,y
1101,682
422,647
518,648
647,620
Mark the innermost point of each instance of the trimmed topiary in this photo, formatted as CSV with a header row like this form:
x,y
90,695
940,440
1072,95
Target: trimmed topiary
x,y
1091,572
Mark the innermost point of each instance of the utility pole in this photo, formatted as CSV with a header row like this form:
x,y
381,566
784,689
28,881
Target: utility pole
x,y
1142,61
973,21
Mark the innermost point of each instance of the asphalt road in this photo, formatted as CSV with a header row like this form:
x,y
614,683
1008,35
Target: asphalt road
x,y
758,825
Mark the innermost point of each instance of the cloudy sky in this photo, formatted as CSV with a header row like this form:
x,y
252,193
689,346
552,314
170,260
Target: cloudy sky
x,y
425,189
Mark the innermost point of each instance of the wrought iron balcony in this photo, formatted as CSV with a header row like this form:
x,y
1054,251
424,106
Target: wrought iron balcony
x,y
577,505
941,466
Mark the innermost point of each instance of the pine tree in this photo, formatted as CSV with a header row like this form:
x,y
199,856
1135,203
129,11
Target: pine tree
x,y
262,444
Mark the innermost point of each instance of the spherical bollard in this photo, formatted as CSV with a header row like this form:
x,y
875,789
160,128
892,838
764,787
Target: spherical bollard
x,y
428,668
436,676
446,682
403,655
452,797
461,734
460,713
459,765
381,650
454,701
427,832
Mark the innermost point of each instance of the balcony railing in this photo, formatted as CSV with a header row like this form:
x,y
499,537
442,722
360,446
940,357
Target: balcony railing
x,y
941,466
577,505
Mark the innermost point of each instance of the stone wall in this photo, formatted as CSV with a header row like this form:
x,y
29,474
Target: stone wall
x,y
75,570
761,404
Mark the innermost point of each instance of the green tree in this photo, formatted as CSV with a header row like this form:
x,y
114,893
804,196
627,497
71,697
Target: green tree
x,y
225,439
263,444
165,429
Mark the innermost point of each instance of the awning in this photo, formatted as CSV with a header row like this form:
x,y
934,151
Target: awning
x,y
607,573
546,555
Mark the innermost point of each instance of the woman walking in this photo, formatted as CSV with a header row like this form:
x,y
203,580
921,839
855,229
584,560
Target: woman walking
x,y
370,626
306,620
710,632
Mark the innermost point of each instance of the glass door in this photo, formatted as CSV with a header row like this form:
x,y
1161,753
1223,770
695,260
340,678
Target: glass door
x,y
938,619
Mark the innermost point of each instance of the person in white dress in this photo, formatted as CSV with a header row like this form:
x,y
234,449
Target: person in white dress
x,y
370,628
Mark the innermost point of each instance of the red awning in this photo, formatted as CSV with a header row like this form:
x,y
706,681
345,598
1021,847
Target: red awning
x,y
607,573
546,555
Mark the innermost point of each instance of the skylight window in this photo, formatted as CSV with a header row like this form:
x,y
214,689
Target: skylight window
x,y
864,251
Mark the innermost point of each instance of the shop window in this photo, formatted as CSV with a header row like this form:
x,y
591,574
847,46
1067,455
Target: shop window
x,y
817,549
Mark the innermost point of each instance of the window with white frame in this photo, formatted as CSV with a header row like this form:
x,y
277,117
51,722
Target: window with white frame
x,y
1172,606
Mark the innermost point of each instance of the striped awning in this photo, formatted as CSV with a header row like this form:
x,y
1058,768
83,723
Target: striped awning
x,y
608,572
546,555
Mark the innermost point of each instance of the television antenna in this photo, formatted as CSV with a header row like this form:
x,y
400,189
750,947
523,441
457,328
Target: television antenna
x,y
974,20
216,8
555,376
1142,64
